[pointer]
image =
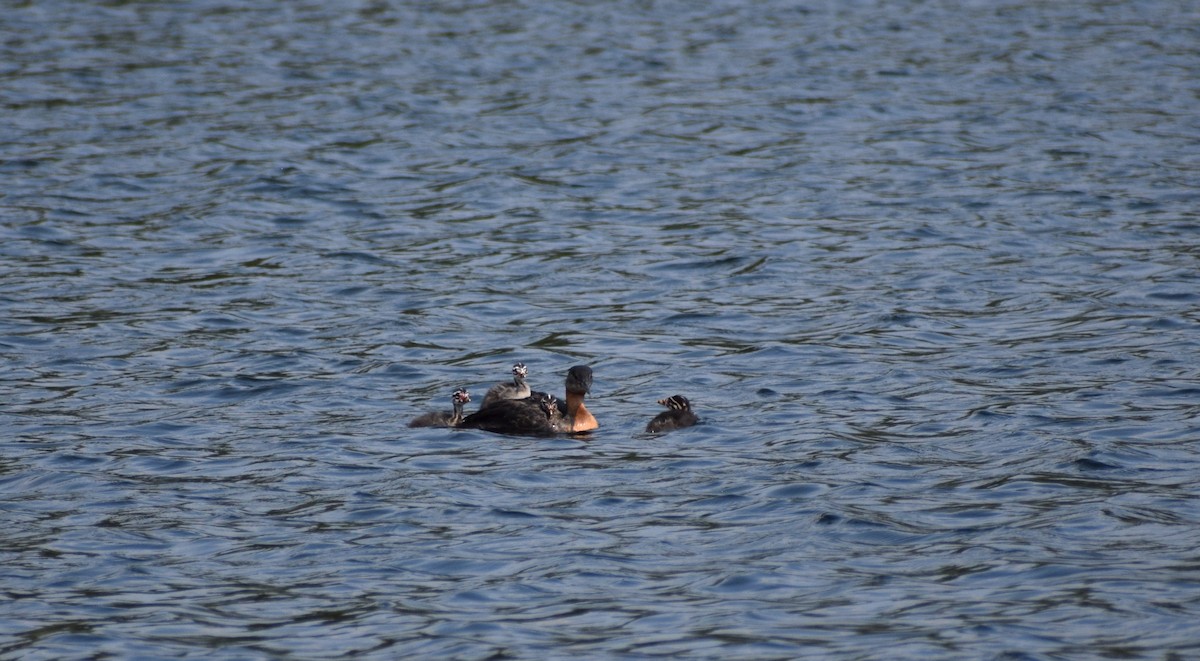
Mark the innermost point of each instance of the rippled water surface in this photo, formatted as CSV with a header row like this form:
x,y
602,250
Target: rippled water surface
x,y
928,271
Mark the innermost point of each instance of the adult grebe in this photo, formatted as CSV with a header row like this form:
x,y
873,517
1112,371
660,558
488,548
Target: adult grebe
x,y
444,418
516,389
540,413
579,383
533,416
678,415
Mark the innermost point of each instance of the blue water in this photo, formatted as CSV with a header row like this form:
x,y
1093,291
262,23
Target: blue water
x,y
928,272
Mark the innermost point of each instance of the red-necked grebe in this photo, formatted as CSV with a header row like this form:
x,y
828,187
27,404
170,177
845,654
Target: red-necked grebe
x,y
677,416
444,418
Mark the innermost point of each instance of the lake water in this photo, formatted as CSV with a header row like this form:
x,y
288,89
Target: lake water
x,y
928,271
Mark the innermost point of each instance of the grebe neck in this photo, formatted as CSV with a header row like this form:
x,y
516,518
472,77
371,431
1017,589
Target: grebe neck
x,y
581,419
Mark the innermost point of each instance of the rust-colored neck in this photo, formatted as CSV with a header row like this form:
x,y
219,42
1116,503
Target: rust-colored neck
x,y
581,418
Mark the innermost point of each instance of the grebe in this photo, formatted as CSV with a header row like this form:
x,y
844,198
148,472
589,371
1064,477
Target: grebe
x,y
517,389
579,383
530,416
540,413
677,416
444,418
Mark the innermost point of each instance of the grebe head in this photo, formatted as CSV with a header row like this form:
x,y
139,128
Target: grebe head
x,y
579,379
519,370
462,396
676,403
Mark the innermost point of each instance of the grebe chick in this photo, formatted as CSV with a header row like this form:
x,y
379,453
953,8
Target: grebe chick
x,y
677,416
444,418
516,389
540,413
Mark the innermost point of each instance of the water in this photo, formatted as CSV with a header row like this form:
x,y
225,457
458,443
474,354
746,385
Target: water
x,y
927,270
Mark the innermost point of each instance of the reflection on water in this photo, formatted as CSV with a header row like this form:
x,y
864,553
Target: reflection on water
x,y
927,274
